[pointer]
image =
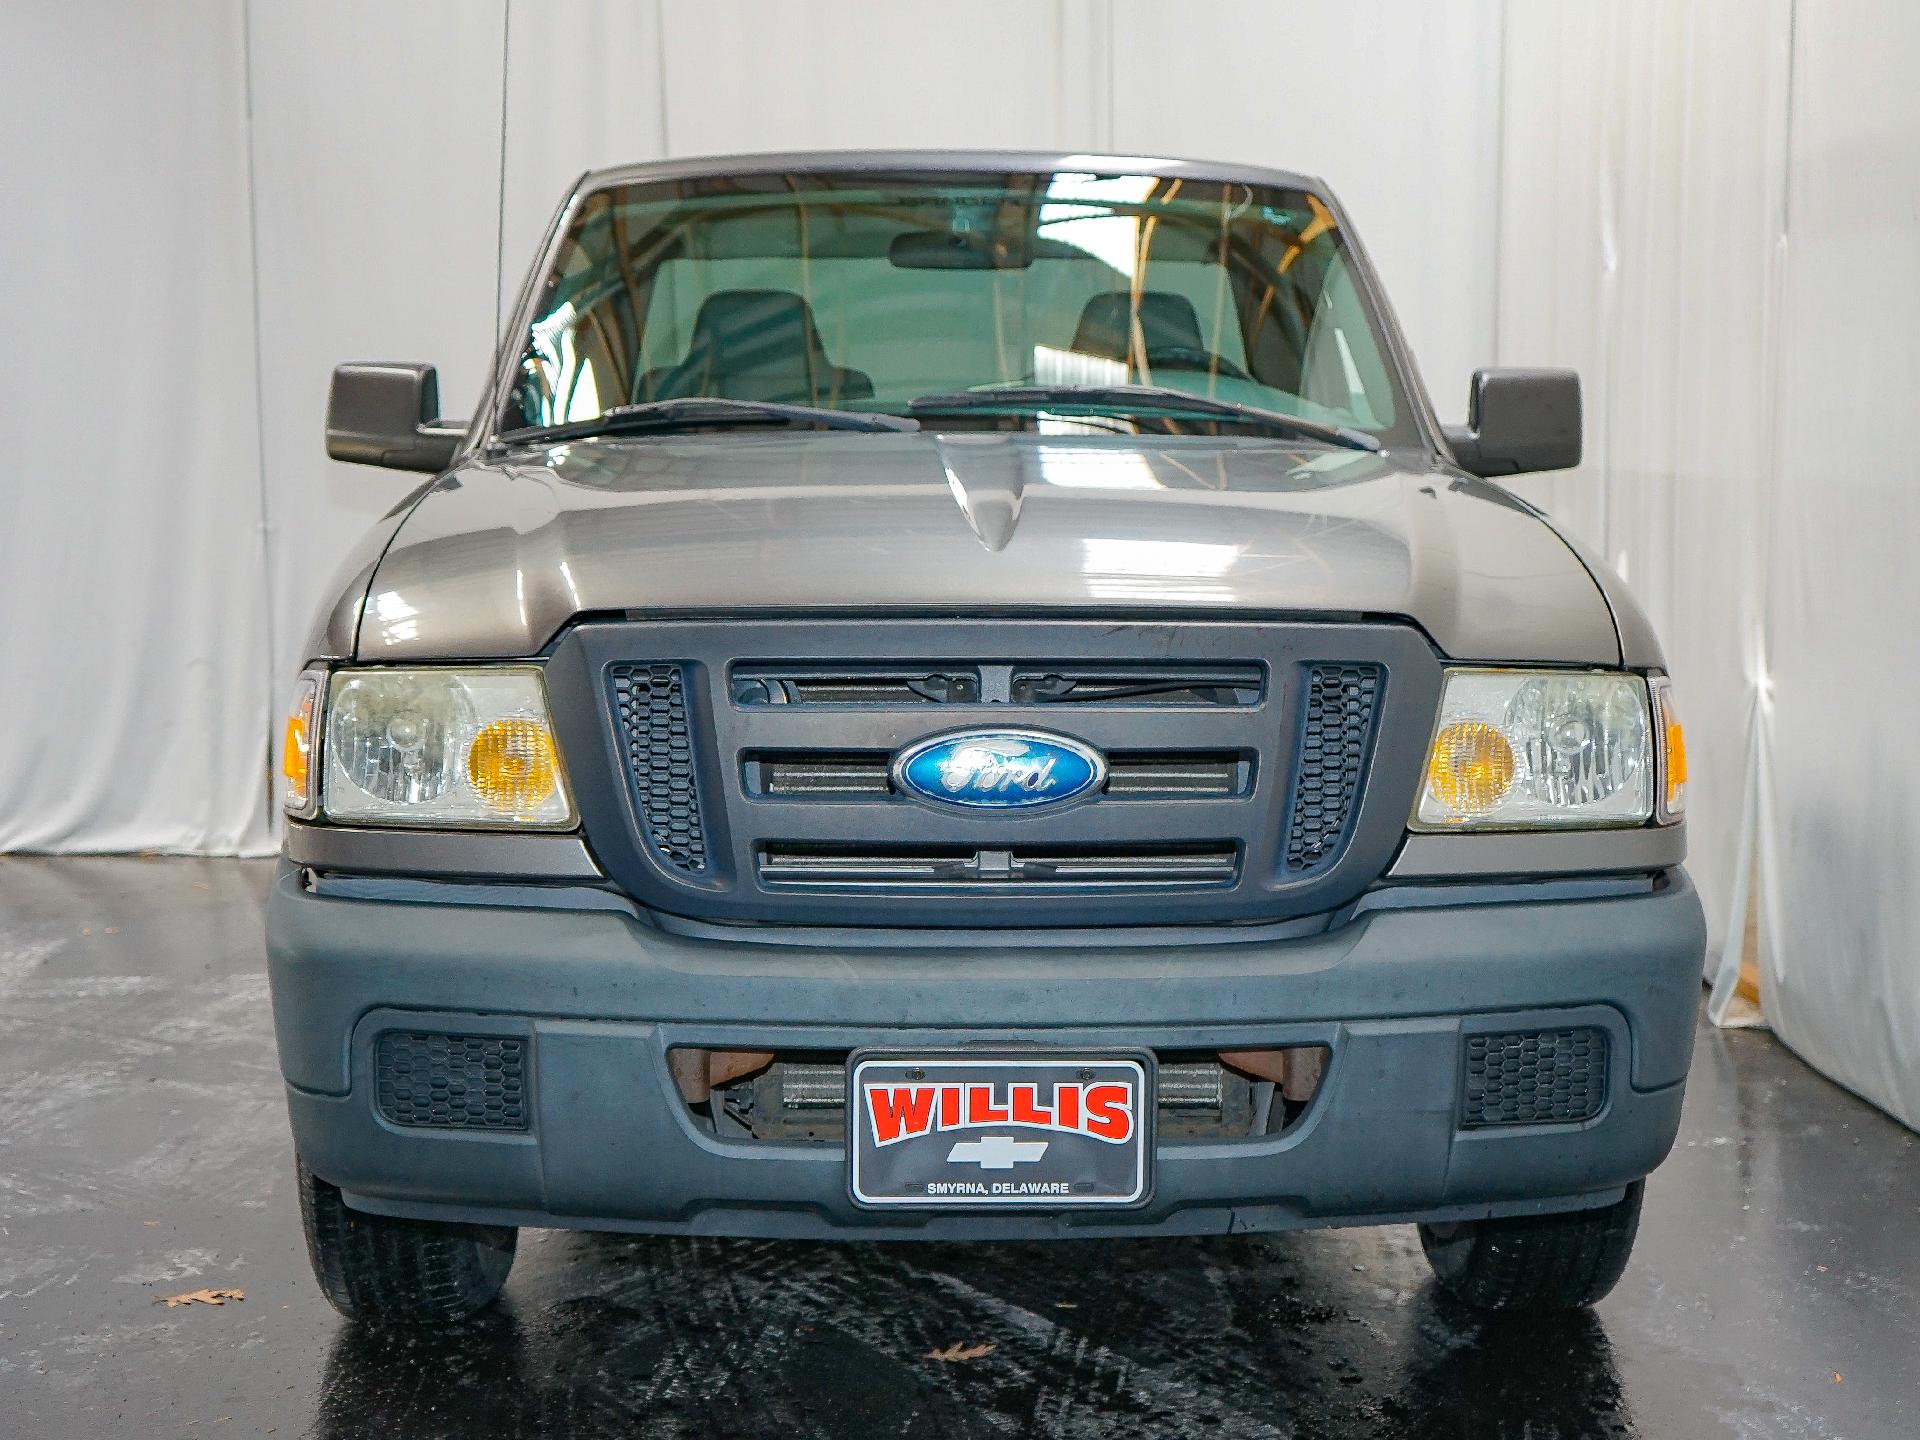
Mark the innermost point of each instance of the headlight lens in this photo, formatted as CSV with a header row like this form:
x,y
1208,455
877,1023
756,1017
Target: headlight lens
x,y
1520,749
443,747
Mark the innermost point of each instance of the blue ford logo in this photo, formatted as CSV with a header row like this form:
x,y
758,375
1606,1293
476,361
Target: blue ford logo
x,y
999,769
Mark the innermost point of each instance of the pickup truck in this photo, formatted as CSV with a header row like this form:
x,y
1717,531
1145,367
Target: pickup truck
x,y
968,696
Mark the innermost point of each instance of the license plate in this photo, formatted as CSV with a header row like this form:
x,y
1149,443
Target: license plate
x,y
1052,1132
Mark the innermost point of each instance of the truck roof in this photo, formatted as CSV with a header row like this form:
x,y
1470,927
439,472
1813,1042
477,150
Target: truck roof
x,y
983,161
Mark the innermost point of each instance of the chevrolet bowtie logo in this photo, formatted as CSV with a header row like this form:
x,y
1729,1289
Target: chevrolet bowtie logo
x,y
996,1152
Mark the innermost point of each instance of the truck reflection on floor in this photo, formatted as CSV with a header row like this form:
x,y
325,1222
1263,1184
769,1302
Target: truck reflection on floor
x,y
1248,1336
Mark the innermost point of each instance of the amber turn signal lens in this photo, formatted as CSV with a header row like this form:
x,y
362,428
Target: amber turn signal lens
x,y
511,765
1471,767
296,748
1673,751
1676,761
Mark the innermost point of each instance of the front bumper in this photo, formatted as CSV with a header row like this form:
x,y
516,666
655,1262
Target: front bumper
x,y
602,995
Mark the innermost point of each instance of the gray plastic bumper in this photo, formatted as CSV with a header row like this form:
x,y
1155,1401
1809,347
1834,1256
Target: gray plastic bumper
x,y
603,996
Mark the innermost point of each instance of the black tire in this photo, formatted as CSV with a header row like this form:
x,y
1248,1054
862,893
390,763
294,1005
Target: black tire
x,y
407,1272
1536,1262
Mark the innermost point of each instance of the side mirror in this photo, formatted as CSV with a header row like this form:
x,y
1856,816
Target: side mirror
x,y
1519,421
390,415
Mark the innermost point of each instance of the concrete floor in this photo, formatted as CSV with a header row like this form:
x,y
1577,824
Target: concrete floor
x,y
143,1152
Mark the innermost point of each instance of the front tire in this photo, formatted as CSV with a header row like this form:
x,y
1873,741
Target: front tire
x,y
1536,1262
409,1272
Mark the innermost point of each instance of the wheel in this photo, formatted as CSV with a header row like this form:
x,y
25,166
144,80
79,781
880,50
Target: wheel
x,y
418,1272
1536,1262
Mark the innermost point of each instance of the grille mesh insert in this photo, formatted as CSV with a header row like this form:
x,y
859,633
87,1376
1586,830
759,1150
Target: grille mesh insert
x,y
1335,734
651,701
1534,1077
454,1082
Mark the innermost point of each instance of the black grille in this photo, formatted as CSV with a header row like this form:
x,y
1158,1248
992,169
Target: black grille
x,y
652,705
1534,1077
1335,735
736,770
454,1082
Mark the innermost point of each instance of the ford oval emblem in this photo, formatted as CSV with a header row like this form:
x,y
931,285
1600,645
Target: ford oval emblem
x,y
999,769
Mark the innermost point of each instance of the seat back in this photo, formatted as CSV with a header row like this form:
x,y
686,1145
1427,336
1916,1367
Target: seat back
x,y
1167,322
756,345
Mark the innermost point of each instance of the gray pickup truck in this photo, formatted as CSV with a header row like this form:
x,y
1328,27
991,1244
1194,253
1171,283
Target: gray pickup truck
x,y
967,696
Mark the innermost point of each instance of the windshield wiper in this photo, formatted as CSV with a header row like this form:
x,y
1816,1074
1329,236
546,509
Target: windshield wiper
x,y
701,411
1143,399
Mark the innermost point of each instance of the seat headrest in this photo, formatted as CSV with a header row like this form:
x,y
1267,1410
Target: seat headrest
x,y
1167,322
756,345
753,329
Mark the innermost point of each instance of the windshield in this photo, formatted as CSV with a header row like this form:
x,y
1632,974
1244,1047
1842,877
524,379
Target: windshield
x,y
868,291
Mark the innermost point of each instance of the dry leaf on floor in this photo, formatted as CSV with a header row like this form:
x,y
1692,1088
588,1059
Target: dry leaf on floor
x,y
961,1352
203,1297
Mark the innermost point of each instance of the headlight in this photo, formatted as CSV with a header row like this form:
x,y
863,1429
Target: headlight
x,y
1526,749
456,748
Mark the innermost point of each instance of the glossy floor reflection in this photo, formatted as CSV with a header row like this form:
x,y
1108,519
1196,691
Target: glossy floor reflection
x,y
143,1153
1242,1338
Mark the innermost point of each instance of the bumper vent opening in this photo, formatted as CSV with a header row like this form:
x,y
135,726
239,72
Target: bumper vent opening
x,y
1336,734
1534,1077
651,702
451,1082
1202,1095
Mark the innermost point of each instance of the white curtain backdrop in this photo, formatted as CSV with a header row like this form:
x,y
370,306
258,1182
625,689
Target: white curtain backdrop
x,y
1707,206
1704,205
1641,214
134,657
1840,686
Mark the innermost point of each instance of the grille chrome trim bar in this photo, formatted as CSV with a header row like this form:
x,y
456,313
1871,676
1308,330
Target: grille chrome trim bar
x,y
810,774
981,869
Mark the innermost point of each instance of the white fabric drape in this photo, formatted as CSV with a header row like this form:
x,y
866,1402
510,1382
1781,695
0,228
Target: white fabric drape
x,y
1840,798
1707,208
134,666
1641,213
1704,205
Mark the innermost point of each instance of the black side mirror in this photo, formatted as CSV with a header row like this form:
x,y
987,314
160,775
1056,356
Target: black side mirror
x,y
1519,421
390,415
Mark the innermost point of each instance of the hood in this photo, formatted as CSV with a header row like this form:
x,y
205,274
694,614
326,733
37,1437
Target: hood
x,y
496,558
